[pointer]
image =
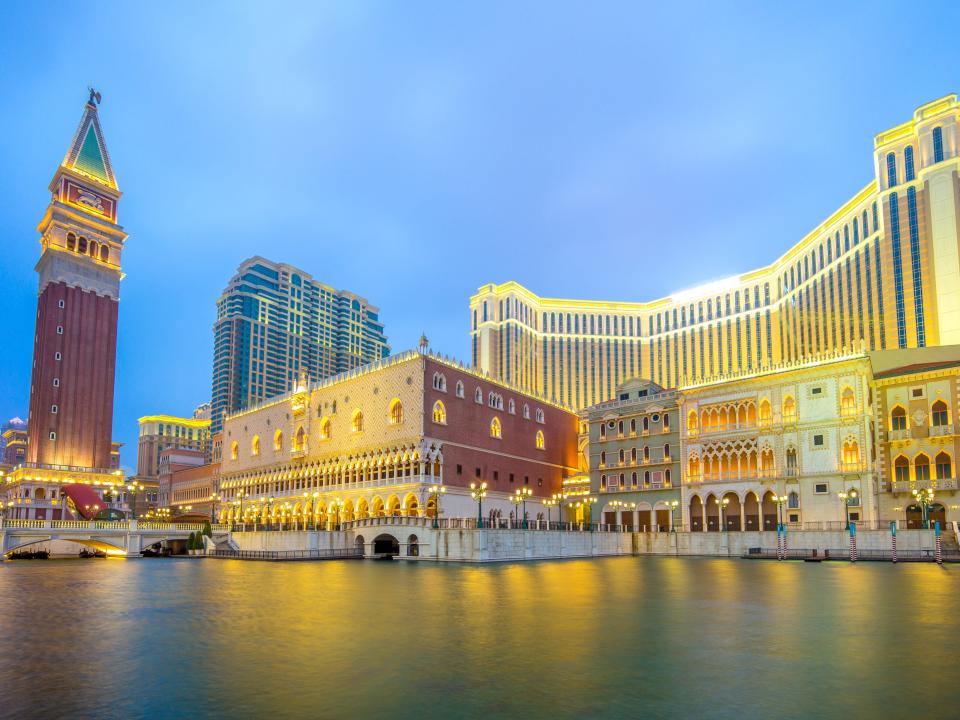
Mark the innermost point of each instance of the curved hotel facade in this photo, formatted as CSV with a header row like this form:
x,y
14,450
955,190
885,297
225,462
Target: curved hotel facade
x,y
882,272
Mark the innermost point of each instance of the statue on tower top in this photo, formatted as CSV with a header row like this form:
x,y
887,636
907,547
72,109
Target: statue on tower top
x,y
95,97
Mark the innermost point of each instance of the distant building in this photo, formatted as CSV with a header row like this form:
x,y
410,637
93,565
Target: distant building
x,y
187,482
634,456
882,271
276,323
13,442
375,440
161,432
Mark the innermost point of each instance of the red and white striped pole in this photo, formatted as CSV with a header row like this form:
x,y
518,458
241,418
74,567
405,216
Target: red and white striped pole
x,y
853,542
893,538
939,546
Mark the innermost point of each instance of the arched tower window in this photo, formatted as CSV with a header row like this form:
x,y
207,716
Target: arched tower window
x,y
789,409
71,242
938,144
300,440
495,429
540,441
908,162
459,388
891,170
104,253
439,413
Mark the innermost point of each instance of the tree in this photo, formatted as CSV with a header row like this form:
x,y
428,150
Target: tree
x,y
207,530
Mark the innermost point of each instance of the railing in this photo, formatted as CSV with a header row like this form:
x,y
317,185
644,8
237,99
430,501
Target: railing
x,y
905,434
931,484
941,430
70,468
729,428
423,522
126,525
331,554
852,467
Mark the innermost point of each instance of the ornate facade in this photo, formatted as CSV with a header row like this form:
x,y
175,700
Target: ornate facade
x,y
383,438
883,271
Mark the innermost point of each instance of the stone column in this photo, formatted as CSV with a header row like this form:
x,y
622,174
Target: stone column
x,y
742,517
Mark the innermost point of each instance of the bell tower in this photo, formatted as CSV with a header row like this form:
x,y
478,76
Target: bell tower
x,y
75,344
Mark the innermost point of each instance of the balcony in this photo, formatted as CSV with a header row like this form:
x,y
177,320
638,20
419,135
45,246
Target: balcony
x,y
852,467
942,430
906,486
790,419
904,434
644,433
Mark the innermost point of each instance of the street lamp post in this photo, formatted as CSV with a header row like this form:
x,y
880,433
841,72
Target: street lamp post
x,y
673,513
524,494
559,498
478,493
134,488
924,499
516,499
588,503
845,499
723,518
436,491
214,500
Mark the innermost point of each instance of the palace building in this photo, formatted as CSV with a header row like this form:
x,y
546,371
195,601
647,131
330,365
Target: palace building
x,y
275,323
74,358
881,272
384,439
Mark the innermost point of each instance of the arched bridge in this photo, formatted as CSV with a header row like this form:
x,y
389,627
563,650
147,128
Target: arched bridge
x,y
116,537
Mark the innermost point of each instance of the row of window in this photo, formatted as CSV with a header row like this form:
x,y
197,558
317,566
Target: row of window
x,y
84,247
645,422
943,466
939,416
634,454
650,478
494,400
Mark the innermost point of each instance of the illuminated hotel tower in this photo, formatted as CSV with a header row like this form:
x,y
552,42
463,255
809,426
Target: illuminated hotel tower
x,y
74,354
883,271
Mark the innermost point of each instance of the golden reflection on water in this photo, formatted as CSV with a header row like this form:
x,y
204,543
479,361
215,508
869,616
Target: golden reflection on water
x,y
618,637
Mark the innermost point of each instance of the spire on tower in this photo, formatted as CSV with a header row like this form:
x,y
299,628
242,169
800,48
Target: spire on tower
x,y
88,154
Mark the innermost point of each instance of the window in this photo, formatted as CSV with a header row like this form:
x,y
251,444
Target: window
x,y
357,421
666,452
791,458
53,435
908,163
104,253
603,458
439,382
898,419
789,409
234,450
848,402
54,409
459,388
495,429
439,413
82,246
395,414
478,396
56,382
526,412
255,445
851,453
59,329
939,413
937,147
793,500
818,440
816,390
61,304
540,442
71,242
57,356
540,417
891,170
921,467
325,429
511,407
820,488
901,469
459,469
278,440
943,466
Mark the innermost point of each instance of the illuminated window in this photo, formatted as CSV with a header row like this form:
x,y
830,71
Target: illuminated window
x,y
540,441
325,429
255,446
495,429
939,413
901,469
944,466
234,450
848,403
439,413
357,421
898,419
789,409
278,440
851,453
395,415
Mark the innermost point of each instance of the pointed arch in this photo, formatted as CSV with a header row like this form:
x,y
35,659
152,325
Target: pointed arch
x,y
278,440
439,413
848,402
496,431
234,450
921,466
395,412
356,421
325,429
944,465
898,418
255,446
539,440
939,415
901,469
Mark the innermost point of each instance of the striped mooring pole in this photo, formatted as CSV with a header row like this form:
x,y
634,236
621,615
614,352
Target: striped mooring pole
x,y
853,542
893,538
939,546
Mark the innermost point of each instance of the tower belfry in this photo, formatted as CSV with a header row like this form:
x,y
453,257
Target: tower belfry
x,y
74,356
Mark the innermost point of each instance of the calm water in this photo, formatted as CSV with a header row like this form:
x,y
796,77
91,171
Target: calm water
x,y
620,637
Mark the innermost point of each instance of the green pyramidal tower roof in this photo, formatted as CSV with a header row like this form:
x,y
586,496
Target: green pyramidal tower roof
x,y
88,153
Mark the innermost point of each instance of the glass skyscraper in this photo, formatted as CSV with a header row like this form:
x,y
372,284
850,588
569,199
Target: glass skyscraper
x,y
276,323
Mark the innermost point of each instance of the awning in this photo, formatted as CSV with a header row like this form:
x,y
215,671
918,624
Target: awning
x,y
86,502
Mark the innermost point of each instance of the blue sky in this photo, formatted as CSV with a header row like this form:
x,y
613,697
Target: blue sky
x,y
413,151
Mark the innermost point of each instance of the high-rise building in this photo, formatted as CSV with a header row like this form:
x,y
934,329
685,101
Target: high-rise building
x,y
71,393
275,323
882,271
